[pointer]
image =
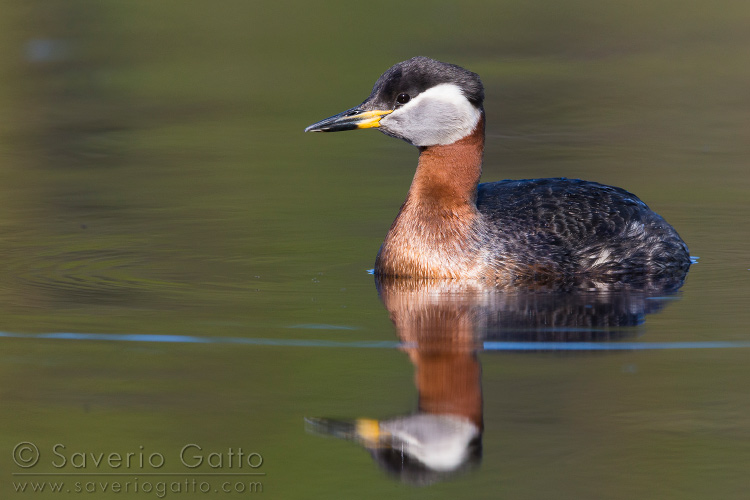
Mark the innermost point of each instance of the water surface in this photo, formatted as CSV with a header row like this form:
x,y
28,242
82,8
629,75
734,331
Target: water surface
x,y
203,263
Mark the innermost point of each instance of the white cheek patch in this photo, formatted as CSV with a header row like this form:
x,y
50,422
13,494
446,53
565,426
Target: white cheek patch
x,y
438,116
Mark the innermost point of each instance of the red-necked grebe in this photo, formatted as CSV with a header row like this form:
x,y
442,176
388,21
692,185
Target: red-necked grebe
x,y
450,226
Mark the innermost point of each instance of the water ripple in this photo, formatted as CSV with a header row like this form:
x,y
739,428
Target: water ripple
x,y
92,276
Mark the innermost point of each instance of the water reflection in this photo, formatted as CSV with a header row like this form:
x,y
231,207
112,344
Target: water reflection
x,y
443,325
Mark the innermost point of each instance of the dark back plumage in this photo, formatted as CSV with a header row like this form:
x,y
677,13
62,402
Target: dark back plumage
x,y
569,226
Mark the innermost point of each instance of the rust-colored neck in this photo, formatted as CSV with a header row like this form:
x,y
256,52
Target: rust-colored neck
x,y
435,233
448,175
449,383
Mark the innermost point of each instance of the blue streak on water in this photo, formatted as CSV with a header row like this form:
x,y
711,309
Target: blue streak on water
x,y
609,346
190,339
380,344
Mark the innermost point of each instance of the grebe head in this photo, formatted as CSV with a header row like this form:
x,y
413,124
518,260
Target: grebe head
x,y
422,101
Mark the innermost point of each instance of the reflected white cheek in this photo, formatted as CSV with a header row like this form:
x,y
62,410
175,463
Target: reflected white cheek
x,y
438,116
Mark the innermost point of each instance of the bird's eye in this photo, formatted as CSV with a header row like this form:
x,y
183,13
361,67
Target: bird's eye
x,y
403,98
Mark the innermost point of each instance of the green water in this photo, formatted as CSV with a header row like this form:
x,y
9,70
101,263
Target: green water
x,y
155,180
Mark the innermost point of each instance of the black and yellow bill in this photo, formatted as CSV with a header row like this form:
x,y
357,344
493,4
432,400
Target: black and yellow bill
x,y
350,119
